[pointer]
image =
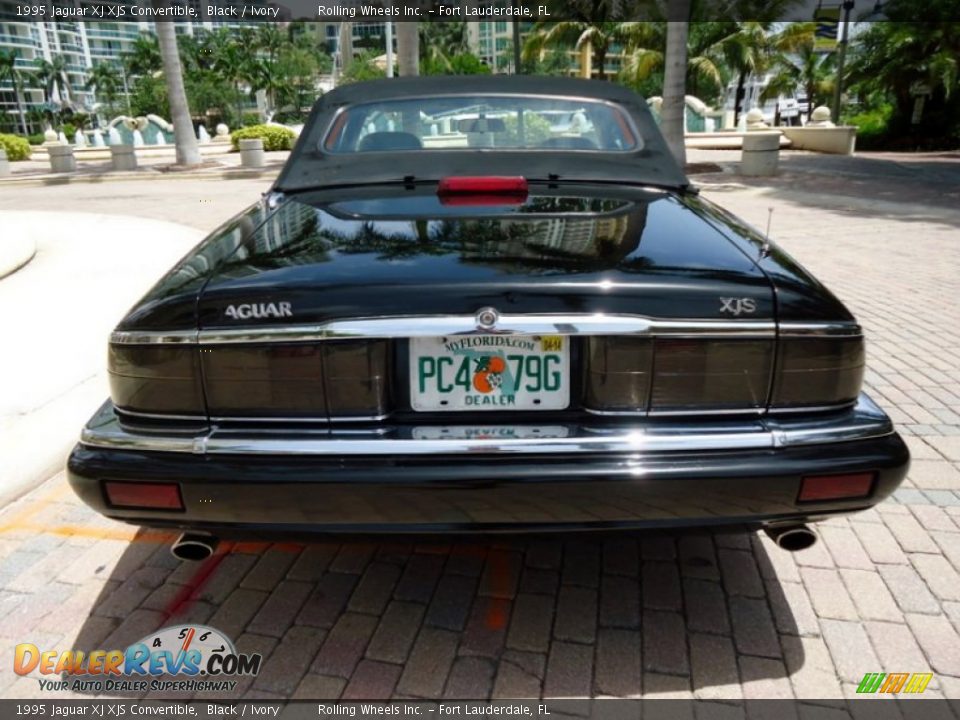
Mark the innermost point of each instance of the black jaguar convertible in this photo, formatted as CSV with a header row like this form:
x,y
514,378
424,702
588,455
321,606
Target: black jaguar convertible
x,y
453,313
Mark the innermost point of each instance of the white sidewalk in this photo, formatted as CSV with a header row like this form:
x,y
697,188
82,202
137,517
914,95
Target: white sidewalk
x,y
55,316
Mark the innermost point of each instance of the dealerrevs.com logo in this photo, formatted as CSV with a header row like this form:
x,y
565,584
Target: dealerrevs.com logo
x,y
176,658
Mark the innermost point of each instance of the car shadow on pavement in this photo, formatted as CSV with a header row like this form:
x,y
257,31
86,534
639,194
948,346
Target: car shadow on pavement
x,y
656,615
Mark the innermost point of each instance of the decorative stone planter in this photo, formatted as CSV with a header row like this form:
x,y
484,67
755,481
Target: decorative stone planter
x,y
61,159
251,153
4,163
123,157
761,153
835,140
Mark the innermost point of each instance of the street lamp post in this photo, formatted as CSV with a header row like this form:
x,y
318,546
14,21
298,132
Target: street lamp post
x,y
841,57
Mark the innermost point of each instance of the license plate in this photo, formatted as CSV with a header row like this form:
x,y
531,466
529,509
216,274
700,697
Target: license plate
x,y
490,372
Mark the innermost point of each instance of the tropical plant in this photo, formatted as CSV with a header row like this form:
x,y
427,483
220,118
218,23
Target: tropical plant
x,y
601,36
440,42
104,79
52,77
362,68
143,57
232,62
188,152
462,64
10,73
274,137
804,68
17,148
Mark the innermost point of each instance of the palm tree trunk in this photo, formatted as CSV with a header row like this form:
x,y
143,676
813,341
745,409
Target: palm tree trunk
x,y
23,117
738,97
674,82
408,49
188,152
600,58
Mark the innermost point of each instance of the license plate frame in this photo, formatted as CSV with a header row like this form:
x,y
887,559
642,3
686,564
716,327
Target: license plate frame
x,y
484,373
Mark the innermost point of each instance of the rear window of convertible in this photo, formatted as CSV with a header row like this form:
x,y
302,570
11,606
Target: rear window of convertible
x,y
463,122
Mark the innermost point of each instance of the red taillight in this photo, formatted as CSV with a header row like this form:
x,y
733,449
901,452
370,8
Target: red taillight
x,y
153,496
835,487
483,190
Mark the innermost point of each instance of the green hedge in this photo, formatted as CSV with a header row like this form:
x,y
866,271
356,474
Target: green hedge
x,y
273,136
17,147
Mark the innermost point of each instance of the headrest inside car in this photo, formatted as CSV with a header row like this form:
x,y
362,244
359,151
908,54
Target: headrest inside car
x,y
389,141
569,143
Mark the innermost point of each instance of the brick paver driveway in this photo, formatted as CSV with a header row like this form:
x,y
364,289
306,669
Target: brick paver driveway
x,y
723,616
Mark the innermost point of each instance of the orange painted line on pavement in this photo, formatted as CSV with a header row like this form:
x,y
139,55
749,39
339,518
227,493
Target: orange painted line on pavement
x,y
498,609
33,508
131,535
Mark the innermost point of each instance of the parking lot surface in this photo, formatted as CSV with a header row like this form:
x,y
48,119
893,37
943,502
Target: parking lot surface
x,y
659,615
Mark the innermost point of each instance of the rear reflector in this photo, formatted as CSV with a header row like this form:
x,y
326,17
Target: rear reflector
x,y
483,190
835,487
154,496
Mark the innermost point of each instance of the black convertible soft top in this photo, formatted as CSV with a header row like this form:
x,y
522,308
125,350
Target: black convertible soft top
x,y
310,167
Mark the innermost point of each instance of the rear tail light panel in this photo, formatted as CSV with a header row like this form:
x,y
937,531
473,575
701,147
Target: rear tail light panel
x,y
156,379
824,488
818,371
143,496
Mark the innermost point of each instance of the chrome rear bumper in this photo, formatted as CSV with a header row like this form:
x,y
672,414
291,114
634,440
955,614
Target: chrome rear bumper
x,y
863,421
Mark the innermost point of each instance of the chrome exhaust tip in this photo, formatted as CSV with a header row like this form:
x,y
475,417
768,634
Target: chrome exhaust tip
x,y
194,547
792,538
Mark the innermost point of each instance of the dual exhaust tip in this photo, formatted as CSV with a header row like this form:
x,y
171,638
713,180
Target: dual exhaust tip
x,y
199,546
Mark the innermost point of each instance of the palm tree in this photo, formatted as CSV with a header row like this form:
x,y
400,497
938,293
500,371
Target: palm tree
x,y
440,42
143,58
52,76
9,72
232,62
408,49
599,36
675,82
804,68
188,152
105,80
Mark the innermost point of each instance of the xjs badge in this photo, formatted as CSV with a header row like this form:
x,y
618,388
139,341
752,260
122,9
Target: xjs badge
x,y
259,311
738,306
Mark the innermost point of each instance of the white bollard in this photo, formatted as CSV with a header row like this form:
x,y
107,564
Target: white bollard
x,y
61,158
251,153
123,157
761,153
4,163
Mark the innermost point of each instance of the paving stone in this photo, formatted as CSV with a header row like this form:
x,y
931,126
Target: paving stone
x,y
764,679
772,562
576,614
471,678
395,634
621,557
948,447
706,606
753,629
733,540
289,661
933,518
850,649
880,544
895,646
740,574
661,586
312,562
132,592
698,557
618,671
374,589
372,681
581,563
425,673
269,570
934,475
827,593
450,606
530,623
352,558
792,611
714,667
319,687
420,576
939,641
845,547
664,643
620,601
237,610
816,556
327,601
344,645
940,577
910,534
949,544
486,628
515,682
658,686
466,559
569,669
225,578
908,589
658,547
871,596
544,554
280,608
501,575
539,582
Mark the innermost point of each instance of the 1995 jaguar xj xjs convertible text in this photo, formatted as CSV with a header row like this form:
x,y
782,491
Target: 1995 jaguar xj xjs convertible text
x,y
484,304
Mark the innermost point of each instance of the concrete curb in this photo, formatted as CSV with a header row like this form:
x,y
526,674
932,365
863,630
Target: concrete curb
x,y
144,174
16,250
